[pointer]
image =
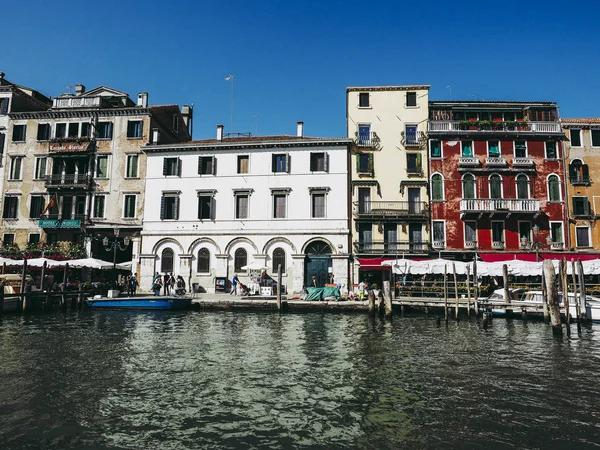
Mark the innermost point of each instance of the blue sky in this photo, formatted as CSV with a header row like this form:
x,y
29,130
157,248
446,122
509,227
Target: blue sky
x,y
292,60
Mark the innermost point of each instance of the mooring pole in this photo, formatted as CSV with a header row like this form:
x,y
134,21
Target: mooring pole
x,y
23,295
552,296
468,291
475,288
506,293
279,287
387,298
582,293
455,289
446,293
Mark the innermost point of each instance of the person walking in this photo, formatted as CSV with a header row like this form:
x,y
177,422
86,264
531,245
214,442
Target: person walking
x,y
361,290
234,283
132,284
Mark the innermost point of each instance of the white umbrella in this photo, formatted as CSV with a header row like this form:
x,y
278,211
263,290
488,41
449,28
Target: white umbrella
x,y
39,262
254,265
8,261
125,265
92,263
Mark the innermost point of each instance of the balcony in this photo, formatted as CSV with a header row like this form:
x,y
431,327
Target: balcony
x,y
438,245
498,245
496,161
579,180
369,140
413,140
557,246
522,162
390,247
76,102
470,245
466,127
499,205
394,209
468,161
68,181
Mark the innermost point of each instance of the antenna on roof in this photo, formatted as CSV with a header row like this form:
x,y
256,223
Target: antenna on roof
x,y
69,88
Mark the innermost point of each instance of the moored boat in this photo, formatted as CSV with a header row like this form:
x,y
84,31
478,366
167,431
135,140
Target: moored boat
x,y
149,302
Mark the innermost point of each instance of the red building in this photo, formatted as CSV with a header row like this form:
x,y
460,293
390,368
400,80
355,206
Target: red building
x,y
496,179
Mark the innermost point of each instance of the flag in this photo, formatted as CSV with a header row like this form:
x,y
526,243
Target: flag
x,y
229,77
50,205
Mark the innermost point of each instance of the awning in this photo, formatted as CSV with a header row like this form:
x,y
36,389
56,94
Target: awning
x,y
374,263
495,257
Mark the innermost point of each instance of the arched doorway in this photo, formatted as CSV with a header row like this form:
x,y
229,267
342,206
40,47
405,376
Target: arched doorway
x,y
317,263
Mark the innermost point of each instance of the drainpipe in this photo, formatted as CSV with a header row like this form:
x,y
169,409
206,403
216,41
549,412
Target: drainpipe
x,y
566,205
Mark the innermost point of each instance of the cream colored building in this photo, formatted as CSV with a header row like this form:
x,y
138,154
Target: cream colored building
x,y
389,174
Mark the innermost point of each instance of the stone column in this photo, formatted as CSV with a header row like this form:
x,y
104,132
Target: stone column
x,y
185,264
298,273
147,271
340,270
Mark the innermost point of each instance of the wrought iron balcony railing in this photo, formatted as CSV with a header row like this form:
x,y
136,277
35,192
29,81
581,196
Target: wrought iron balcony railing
x,y
499,205
390,247
389,209
367,140
68,180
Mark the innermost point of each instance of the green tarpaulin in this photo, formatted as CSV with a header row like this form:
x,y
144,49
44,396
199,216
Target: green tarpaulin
x,y
320,293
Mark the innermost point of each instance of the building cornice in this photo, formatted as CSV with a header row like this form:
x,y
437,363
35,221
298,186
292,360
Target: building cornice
x,y
408,87
194,147
85,113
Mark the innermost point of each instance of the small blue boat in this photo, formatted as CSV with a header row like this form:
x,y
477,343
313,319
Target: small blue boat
x,y
150,302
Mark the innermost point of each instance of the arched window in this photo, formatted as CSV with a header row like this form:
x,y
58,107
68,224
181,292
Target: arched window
x,y
468,186
437,187
495,186
578,172
166,260
522,187
278,258
240,259
203,260
553,188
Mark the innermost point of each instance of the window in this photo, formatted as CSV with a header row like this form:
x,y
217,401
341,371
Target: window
x,y
524,231
522,187
364,163
411,99
34,238
280,163
241,206
169,207
495,186
134,129
166,260
319,162
207,165
99,206
493,149
520,149
132,166
175,123
439,231
278,260
579,173
279,205
60,131
435,149
468,182
467,149
556,232
595,135
363,100
129,206
583,236
364,134
11,207
40,168
104,130
37,206
4,106
411,134
2,140
554,188
43,133
85,129
203,260
171,167
498,232
437,188
551,150
19,133
243,163
581,206
240,259
8,239
575,138
318,205
413,163
102,166
206,202
73,129
470,231
16,164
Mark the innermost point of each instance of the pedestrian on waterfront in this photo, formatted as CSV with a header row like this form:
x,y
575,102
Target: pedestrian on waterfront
x,y
314,281
157,275
133,284
167,283
361,290
172,281
156,286
234,282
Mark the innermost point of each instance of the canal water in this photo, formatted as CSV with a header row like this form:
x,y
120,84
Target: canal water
x,y
99,379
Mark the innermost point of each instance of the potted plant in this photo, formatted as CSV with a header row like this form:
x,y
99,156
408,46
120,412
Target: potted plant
x,y
511,124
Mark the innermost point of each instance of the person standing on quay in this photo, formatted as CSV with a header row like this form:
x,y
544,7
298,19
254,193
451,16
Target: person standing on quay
x,y
167,283
234,283
157,285
132,284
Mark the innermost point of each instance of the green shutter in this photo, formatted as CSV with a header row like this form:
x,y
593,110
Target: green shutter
x,y
162,208
419,168
358,163
371,165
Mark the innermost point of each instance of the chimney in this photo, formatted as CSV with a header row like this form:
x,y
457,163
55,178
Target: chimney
x,y
2,76
79,89
155,135
300,132
219,133
142,99
186,113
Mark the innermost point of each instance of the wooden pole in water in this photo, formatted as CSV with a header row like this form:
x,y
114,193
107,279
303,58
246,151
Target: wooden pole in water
x,y
2,297
279,287
23,277
64,286
582,294
3,268
371,298
565,290
43,275
455,289
387,297
475,288
544,297
575,298
468,291
446,292
552,296
505,292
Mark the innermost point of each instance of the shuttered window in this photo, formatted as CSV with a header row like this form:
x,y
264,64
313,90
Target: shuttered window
x,y
99,206
436,149
243,166
11,207
132,166
278,259
43,133
171,167
319,162
129,206
318,205
551,150
205,206
554,188
520,149
468,186
279,201
203,260
241,206
166,260
37,206
240,259
281,163
583,236
495,186
364,163
437,188
467,149
522,187
493,149
169,207
207,165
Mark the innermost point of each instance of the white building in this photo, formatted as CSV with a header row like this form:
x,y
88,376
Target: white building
x,y
214,206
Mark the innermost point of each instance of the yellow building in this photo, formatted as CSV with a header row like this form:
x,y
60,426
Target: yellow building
x,y
582,162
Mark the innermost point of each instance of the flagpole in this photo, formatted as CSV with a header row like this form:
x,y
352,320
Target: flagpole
x,y
230,78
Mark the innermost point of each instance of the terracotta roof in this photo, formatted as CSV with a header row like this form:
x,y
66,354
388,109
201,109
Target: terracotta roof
x,y
579,120
162,106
